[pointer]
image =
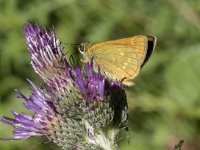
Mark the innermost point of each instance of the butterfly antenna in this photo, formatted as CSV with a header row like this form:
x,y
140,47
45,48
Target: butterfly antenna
x,y
65,43
75,44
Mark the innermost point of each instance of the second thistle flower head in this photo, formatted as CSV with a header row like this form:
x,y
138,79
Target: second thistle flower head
x,y
79,109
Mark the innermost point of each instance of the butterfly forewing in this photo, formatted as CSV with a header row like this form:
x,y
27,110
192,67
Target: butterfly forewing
x,y
119,63
137,43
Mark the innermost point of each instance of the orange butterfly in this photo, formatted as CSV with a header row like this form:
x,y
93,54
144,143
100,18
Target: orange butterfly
x,y
120,59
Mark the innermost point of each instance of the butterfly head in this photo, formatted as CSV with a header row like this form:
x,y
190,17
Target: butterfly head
x,y
81,48
84,50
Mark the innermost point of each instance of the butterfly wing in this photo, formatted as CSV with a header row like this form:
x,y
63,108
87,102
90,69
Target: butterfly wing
x,y
117,64
151,45
120,59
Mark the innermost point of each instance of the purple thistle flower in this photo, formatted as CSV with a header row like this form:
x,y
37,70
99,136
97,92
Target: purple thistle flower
x,y
39,124
80,109
47,56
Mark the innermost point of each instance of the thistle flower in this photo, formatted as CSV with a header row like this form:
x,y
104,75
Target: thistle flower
x,y
79,109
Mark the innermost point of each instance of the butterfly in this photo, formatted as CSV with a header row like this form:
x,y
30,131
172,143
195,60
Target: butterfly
x,y
120,59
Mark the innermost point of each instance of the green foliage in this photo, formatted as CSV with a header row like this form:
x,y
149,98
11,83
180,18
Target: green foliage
x,y
165,102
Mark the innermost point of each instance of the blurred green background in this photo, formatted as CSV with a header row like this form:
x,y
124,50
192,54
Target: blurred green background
x,y
164,105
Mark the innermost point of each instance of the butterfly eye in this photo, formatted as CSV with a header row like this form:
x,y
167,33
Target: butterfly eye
x,y
81,47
